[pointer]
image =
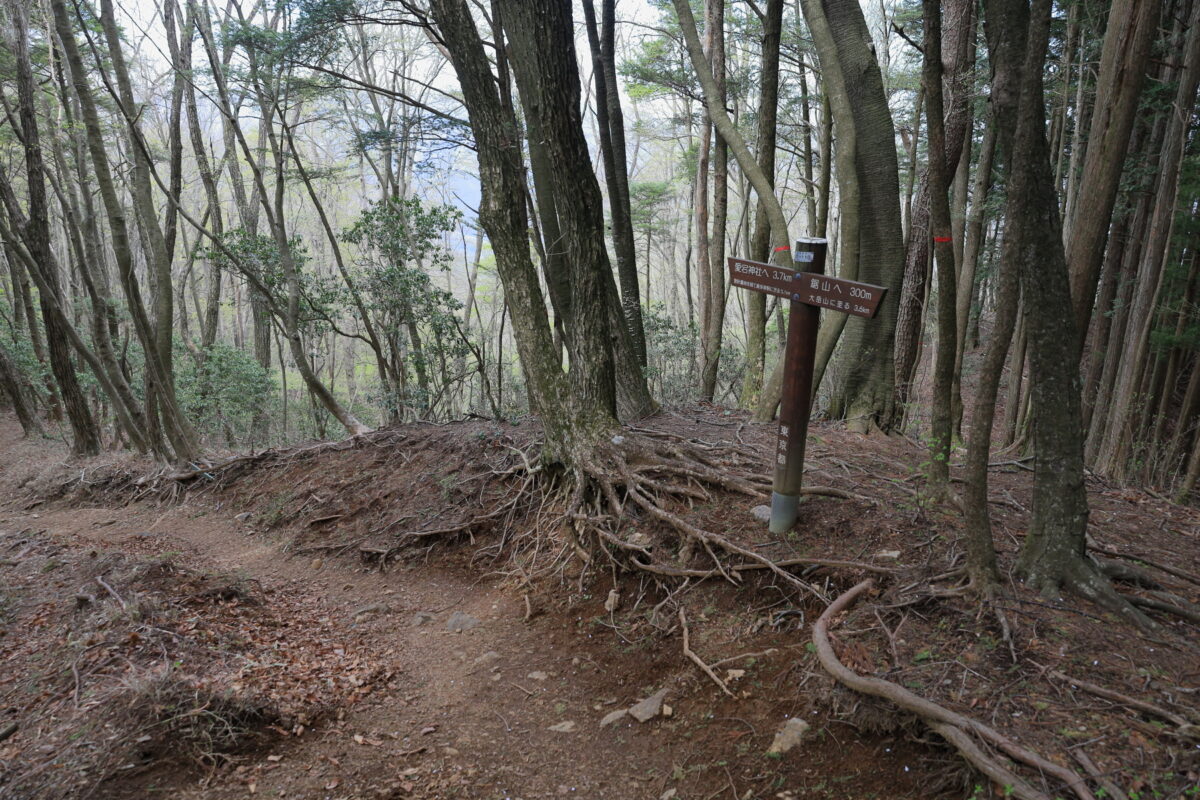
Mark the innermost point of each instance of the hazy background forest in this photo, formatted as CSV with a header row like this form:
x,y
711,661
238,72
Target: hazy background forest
x,y
234,224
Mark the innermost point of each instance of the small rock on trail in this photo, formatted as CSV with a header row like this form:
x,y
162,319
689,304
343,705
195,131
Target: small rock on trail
x,y
790,735
614,716
421,617
459,622
649,708
761,513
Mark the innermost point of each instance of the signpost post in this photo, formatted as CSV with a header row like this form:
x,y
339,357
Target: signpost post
x,y
809,291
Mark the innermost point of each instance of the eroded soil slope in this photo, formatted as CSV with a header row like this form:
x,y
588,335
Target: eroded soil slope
x,y
399,617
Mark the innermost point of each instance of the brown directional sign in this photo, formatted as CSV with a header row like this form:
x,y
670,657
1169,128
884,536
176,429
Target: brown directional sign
x,y
835,294
809,291
838,294
759,277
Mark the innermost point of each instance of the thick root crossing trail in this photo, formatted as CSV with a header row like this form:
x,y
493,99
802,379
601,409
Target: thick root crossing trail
x,y
181,651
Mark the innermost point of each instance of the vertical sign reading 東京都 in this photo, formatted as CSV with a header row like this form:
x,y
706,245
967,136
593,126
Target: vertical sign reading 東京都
x,y
809,290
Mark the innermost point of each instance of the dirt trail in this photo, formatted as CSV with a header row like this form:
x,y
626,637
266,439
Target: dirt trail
x,y
473,713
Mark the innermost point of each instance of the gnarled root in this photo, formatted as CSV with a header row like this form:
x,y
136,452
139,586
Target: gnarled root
x,y
638,474
960,731
591,510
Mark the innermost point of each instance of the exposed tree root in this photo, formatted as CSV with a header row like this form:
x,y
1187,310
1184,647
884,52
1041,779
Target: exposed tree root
x,y
1165,606
1167,568
1113,791
736,570
1124,699
638,474
954,727
1082,577
1121,572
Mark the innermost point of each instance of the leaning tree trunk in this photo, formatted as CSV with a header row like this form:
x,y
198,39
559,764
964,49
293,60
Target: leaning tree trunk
x,y
85,434
865,397
179,431
602,354
502,214
10,385
1117,443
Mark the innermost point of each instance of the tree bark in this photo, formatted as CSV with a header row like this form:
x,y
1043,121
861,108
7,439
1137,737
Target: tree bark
x,y
715,28
760,243
973,241
1053,554
611,121
940,169
604,363
866,396
1123,60
10,385
85,434
570,419
955,42
1115,447
180,433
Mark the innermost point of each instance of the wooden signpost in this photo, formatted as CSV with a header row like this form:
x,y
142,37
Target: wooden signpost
x,y
809,290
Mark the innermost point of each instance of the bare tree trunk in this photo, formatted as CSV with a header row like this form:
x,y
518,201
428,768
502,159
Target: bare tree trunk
x,y
955,42
700,206
212,306
602,354
575,423
760,244
940,169
85,435
611,121
1126,52
715,27
1117,442
973,236
865,397
10,385
182,437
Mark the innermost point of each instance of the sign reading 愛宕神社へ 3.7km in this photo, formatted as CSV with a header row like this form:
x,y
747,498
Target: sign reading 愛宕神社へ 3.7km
x,y
823,291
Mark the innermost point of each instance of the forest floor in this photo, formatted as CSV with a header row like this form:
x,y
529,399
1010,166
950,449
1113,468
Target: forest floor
x,y
295,626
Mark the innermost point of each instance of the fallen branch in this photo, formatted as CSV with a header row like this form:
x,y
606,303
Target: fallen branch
x,y
932,713
111,591
1124,699
731,659
1099,777
705,668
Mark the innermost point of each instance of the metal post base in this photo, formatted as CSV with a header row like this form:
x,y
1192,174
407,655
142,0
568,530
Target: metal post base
x,y
783,512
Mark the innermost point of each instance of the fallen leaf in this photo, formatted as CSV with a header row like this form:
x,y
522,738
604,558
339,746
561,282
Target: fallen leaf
x,y
333,784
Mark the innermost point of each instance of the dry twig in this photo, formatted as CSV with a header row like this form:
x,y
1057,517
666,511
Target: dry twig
x,y
705,668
